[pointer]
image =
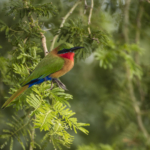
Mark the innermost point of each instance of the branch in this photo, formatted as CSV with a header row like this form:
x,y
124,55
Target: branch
x,y
126,21
137,40
85,6
32,26
138,24
90,15
47,29
32,138
129,80
136,106
96,39
42,36
44,44
89,21
62,23
91,10
25,40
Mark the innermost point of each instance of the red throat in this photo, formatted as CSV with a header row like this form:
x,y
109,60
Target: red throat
x,y
69,55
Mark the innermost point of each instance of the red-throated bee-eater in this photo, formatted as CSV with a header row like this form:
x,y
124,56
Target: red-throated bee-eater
x,y
57,63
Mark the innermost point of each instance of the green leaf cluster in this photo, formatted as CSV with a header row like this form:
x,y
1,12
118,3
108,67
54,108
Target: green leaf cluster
x,y
76,32
108,55
27,8
19,128
41,108
53,115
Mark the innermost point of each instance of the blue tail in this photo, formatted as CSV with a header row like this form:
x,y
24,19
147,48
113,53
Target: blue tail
x,y
39,81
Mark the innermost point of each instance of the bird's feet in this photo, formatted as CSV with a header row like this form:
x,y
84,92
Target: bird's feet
x,y
59,83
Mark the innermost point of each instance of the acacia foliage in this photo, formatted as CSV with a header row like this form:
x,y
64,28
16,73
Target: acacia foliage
x,y
42,108
114,100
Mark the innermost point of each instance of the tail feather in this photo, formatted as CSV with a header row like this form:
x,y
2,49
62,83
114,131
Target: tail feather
x,y
15,95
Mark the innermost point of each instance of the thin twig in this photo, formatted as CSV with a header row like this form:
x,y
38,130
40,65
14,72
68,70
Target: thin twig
x,y
47,29
91,10
32,138
15,30
137,40
25,3
43,38
44,44
25,40
129,80
138,23
90,15
85,6
136,106
96,39
63,21
126,20
89,20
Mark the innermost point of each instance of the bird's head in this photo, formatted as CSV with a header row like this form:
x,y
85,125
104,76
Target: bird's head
x,y
66,50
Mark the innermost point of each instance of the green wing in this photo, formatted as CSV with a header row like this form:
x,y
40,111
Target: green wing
x,y
48,65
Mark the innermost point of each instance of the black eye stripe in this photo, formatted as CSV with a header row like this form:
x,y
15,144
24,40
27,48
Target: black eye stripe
x,y
64,51
69,50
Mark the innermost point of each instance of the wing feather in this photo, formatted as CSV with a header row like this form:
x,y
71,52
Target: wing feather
x,y
48,65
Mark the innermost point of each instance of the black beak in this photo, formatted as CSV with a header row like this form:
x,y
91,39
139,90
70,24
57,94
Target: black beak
x,y
69,50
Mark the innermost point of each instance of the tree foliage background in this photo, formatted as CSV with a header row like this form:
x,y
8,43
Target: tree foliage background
x,y
109,84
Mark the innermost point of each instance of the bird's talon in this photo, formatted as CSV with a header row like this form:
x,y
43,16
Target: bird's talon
x,y
51,87
60,84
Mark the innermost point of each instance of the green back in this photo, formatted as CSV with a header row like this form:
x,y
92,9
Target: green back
x,y
47,66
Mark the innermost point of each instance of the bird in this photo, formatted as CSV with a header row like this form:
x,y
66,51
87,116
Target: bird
x,y
54,65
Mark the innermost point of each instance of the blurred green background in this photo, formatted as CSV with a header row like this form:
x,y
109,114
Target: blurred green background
x,y
101,96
